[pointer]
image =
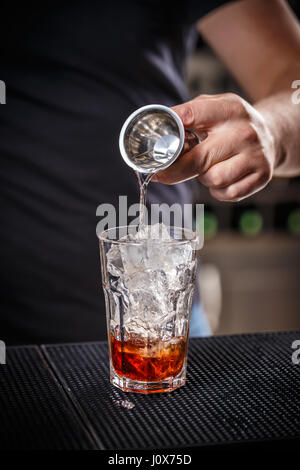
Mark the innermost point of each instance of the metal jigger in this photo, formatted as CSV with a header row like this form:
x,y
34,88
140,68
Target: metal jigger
x,y
153,137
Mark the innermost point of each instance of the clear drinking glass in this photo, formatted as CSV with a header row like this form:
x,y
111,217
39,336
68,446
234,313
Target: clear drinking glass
x,y
148,286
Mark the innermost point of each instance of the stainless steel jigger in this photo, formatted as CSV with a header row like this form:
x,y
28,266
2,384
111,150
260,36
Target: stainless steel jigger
x,y
153,137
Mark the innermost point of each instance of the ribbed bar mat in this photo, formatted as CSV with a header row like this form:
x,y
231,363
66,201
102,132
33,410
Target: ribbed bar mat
x,y
240,388
35,412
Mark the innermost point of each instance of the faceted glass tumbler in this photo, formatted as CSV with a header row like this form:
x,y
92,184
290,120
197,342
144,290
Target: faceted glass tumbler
x,y
148,285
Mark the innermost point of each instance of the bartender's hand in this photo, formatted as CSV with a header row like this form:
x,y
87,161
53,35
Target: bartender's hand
x,y
259,42
236,159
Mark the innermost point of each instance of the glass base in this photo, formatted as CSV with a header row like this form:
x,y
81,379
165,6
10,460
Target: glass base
x,y
129,385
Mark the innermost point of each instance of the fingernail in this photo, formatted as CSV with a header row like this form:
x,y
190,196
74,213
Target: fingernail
x,y
186,115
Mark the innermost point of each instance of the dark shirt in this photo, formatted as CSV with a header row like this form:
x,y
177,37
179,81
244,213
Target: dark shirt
x,y
74,71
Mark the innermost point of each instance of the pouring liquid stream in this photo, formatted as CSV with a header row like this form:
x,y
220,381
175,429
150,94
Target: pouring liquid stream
x,y
158,155
144,180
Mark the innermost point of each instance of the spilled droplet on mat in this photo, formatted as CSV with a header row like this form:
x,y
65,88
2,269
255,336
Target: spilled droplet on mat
x,y
124,403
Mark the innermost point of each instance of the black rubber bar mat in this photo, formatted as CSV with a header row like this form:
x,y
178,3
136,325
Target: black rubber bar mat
x,y
241,388
35,412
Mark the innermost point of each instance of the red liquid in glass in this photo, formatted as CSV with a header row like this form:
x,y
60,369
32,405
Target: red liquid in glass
x,y
137,359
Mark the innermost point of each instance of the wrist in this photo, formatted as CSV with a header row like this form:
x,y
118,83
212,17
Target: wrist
x,y
272,141
279,118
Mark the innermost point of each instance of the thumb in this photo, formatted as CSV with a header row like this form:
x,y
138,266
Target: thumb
x,y
202,112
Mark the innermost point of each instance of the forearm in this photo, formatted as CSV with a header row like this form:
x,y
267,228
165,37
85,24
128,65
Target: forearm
x,y
282,117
